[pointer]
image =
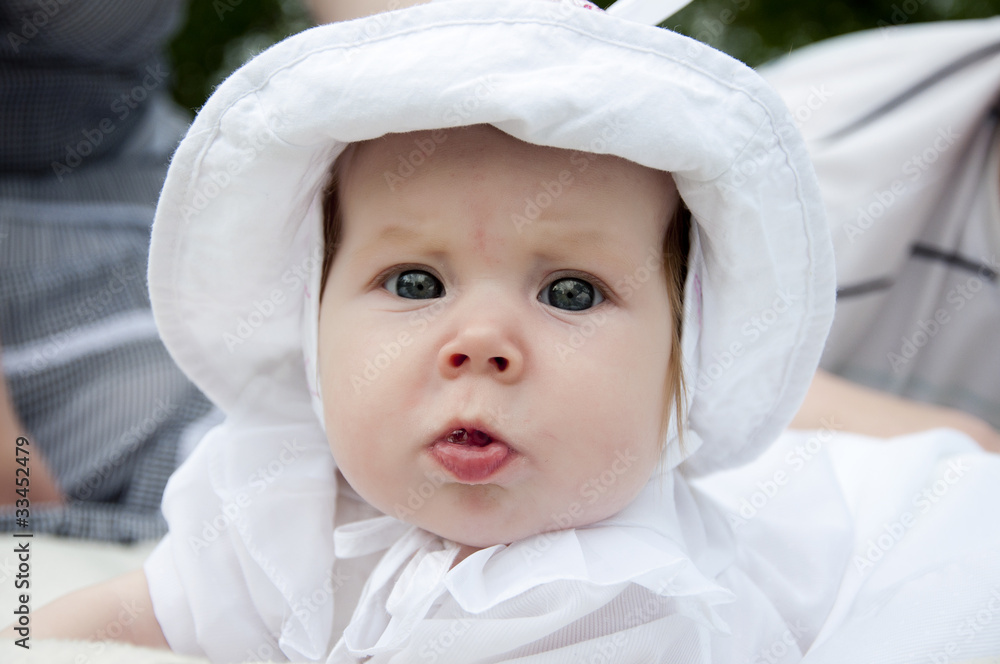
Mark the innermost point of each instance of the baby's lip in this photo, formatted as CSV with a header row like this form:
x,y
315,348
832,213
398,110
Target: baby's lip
x,y
471,453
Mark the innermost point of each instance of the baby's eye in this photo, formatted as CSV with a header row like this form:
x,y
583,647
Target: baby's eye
x,y
571,293
415,285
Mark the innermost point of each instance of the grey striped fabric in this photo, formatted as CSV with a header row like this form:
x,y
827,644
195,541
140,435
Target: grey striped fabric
x,y
89,377
67,66
903,126
935,337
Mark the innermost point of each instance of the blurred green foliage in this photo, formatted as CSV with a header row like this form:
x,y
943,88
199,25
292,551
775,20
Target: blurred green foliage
x,y
756,31
219,35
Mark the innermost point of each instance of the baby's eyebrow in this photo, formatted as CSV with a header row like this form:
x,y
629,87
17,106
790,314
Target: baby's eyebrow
x,y
551,231
555,241
574,238
409,238
398,233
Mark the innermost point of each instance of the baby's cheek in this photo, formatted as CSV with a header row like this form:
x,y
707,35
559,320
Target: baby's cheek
x,y
366,475
613,484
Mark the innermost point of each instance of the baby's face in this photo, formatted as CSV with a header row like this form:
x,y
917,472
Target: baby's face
x,y
493,342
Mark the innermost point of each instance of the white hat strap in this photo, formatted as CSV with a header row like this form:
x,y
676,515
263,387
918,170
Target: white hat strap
x,y
650,12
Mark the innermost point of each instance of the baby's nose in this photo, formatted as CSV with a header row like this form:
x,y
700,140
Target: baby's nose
x,y
481,349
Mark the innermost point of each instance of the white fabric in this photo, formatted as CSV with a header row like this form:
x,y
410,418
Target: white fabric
x,y
585,565
268,547
920,581
904,138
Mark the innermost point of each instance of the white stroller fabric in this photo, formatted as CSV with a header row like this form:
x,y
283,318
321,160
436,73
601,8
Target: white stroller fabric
x,y
906,145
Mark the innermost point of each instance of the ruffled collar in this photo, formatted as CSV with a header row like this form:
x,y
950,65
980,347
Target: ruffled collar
x,y
665,541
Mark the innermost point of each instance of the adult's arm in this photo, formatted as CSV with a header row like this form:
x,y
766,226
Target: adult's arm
x,y
42,486
119,609
852,407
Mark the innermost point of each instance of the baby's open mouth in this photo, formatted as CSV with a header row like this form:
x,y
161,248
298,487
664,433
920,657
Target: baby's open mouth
x,y
462,437
471,455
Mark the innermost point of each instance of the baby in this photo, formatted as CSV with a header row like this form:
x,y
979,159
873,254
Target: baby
x,y
460,276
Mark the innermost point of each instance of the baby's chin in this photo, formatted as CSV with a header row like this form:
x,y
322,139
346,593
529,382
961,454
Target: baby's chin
x,y
479,533
472,544
475,532
482,536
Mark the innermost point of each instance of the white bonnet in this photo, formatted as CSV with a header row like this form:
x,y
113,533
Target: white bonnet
x,y
237,239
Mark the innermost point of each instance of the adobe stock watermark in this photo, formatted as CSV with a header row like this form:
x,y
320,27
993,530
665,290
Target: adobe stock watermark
x,y
372,27
96,644
550,190
922,502
783,645
958,297
122,108
390,351
752,330
967,631
303,608
32,25
456,115
92,305
8,568
128,443
418,496
578,338
910,170
753,160
444,640
815,100
649,268
292,280
223,7
409,163
88,310
795,461
459,113
713,28
126,616
498,416
590,491
219,180
901,13
608,649
259,480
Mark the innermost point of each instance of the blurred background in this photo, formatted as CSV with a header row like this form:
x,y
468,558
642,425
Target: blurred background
x,y
219,35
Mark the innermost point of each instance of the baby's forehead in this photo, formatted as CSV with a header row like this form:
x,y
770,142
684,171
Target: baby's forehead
x,y
403,160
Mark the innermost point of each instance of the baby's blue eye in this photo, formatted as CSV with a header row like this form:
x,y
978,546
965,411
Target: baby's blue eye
x,y
571,294
415,285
